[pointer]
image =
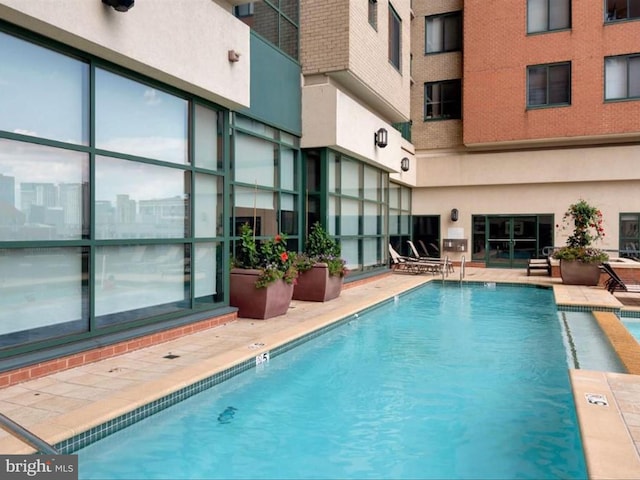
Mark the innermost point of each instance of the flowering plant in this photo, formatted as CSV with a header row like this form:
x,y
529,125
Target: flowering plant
x,y
271,257
586,222
321,248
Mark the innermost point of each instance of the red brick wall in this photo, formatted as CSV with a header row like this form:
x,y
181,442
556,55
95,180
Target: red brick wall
x,y
497,51
49,367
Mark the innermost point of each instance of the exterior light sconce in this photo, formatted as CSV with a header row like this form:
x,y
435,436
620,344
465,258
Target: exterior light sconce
x,y
454,215
404,164
380,138
120,5
234,56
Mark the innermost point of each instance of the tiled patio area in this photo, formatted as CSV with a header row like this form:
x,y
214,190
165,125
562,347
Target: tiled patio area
x,y
64,404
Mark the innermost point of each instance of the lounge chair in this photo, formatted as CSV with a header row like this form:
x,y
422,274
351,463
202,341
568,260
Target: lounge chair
x,y
446,264
410,265
539,264
614,282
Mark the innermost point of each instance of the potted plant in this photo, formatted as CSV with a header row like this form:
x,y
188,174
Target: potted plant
x,y
321,270
262,276
579,260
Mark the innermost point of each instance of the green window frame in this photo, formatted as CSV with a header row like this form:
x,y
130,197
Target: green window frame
x,y
85,269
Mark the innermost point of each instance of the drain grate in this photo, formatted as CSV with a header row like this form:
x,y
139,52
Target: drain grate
x,y
171,356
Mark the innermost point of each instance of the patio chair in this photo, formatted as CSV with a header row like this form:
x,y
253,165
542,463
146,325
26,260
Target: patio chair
x,y
446,264
614,282
410,265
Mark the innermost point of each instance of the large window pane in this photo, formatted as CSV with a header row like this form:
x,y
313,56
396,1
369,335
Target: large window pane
x,y
370,252
288,214
371,183
349,217
257,208
615,77
43,192
208,203
559,14
559,81
254,160
137,200
205,273
537,11
287,168
137,119
42,93
634,76
349,252
435,36
143,280
537,86
43,295
207,150
370,220
395,35
349,177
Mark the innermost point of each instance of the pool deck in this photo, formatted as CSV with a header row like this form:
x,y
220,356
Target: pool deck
x,y
63,404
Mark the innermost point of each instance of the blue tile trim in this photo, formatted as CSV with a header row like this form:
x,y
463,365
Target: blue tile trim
x,y
629,314
587,308
123,421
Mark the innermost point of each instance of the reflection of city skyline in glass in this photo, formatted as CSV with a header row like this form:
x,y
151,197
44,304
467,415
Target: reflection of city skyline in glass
x,y
38,210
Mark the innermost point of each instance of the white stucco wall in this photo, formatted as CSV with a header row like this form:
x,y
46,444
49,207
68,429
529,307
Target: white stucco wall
x,y
182,43
331,118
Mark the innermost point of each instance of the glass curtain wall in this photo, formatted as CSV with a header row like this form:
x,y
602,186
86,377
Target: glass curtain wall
x,y
266,180
399,218
111,198
350,199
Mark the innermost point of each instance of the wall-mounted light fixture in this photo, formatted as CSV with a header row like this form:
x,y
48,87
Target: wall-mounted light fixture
x,y
234,56
454,215
120,5
404,164
380,137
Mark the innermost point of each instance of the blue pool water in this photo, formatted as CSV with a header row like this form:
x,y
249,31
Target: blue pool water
x,y
634,327
444,382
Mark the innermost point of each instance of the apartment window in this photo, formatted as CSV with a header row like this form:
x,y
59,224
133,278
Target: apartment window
x,y
395,29
442,100
629,235
622,77
621,10
549,84
443,33
548,15
373,13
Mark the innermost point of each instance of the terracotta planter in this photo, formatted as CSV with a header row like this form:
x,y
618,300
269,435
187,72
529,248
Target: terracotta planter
x,y
260,303
579,273
316,285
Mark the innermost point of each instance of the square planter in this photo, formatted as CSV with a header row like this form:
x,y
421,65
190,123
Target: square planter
x,y
260,303
316,285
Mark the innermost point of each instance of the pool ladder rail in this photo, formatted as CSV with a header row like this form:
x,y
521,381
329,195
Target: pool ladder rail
x,y
26,436
462,262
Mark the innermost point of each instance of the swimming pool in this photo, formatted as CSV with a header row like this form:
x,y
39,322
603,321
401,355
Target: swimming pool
x,y
445,382
633,326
